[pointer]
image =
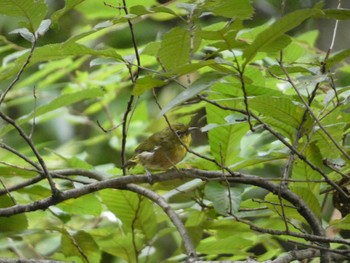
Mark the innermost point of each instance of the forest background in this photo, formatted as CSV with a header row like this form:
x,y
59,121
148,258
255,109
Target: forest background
x,y
265,179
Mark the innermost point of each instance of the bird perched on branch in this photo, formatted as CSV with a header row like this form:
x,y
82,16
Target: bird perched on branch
x,y
163,149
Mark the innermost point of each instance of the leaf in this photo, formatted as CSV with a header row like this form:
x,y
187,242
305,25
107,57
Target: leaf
x,y
225,199
133,210
189,68
69,5
308,197
198,86
62,101
147,83
224,140
276,30
302,171
337,57
230,8
31,12
15,223
326,146
281,113
80,244
121,245
229,245
57,51
335,13
84,205
44,26
176,47
343,223
25,33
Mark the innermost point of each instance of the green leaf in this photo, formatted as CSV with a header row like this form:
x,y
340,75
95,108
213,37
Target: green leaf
x,y
62,101
57,51
343,223
176,47
15,223
13,171
69,5
276,30
302,171
147,83
120,245
133,210
31,12
198,86
280,113
308,197
230,8
189,68
84,205
224,140
80,245
225,199
235,244
326,146
336,13
337,57
292,212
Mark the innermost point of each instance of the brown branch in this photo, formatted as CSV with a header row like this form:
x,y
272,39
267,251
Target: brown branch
x,y
25,158
20,72
134,77
23,260
291,82
159,200
28,140
288,145
308,237
122,183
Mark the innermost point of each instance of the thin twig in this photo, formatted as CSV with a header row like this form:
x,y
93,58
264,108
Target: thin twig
x,y
20,155
134,77
133,228
323,68
8,192
34,114
154,197
313,114
26,138
20,72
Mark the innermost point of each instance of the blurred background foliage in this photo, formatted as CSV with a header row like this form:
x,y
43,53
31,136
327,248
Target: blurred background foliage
x,y
78,76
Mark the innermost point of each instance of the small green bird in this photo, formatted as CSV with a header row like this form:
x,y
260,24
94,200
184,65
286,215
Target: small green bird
x,y
163,149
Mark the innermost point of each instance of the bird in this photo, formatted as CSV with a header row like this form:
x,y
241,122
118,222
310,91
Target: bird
x,y
163,149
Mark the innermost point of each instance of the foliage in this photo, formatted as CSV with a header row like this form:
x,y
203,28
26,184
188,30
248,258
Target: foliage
x,y
74,103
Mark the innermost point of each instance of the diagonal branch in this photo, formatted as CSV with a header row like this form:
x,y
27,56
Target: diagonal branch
x,y
159,200
20,72
28,140
312,113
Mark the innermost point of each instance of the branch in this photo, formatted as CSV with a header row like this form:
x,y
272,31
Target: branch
x,y
134,77
28,140
159,200
312,113
123,181
20,72
22,260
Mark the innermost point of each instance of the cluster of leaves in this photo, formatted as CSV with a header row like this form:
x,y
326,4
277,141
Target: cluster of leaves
x,y
272,108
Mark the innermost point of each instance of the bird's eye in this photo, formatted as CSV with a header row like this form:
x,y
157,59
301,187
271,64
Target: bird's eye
x,y
179,133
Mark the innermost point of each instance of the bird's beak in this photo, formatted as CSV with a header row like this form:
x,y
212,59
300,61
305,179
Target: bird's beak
x,y
193,128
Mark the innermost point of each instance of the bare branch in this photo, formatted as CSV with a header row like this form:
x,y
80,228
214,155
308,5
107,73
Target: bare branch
x,y
190,250
19,74
28,140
